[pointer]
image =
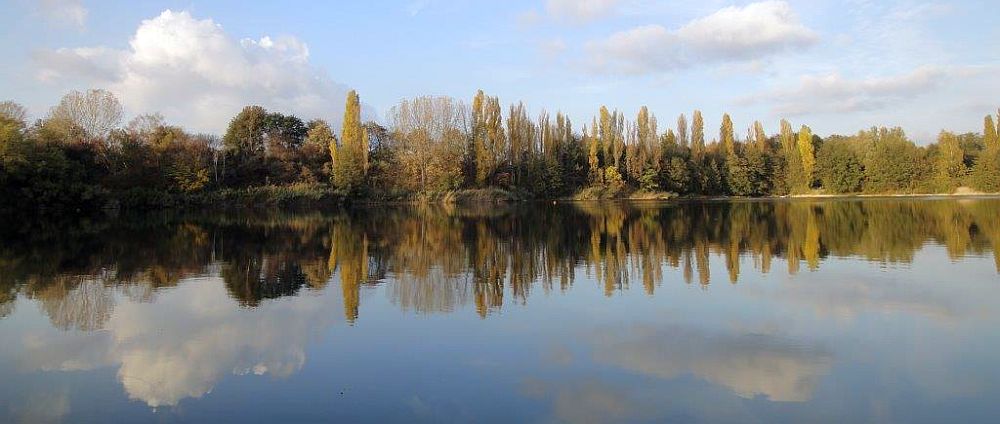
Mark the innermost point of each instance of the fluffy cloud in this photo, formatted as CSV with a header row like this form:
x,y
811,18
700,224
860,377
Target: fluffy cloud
x,y
730,34
197,75
579,11
832,92
747,32
65,12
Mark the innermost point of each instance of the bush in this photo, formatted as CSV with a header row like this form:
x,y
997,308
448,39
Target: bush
x,y
840,169
985,174
613,181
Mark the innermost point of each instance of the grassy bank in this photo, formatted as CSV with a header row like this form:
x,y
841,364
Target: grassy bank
x,y
958,192
292,196
604,193
320,197
484,195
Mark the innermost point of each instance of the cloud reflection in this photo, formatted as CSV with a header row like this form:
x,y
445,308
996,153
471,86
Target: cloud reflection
x,y
749,365
181,345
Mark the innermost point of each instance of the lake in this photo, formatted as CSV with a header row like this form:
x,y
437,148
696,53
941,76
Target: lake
x,y
876,310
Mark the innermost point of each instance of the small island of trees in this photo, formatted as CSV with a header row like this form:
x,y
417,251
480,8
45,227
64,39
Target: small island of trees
x,y
79,156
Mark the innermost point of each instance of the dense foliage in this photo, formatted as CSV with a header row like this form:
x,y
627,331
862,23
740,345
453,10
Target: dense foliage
x,y
80,155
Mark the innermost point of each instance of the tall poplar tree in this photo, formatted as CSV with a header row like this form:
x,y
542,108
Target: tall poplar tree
x,y
726,135
807,154
669,140
605,130
476,140
990,138
758,161
738,179
682,130
787,136
642,125
791,161
593,150
697,135
496,146
350,159
760,137
986,171
490,143
521,133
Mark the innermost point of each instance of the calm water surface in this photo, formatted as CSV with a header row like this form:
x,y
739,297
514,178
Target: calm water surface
x,y
771,311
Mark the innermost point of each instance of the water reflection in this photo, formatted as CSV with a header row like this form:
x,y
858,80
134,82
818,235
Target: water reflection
x,y
441,258
176,303
748,364
182,344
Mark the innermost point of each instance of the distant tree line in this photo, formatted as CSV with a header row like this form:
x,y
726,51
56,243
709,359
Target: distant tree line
x,y
80,154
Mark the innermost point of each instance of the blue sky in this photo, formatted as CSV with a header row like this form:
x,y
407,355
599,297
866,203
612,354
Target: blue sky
x,y
838,66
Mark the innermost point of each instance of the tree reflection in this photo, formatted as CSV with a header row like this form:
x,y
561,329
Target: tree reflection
x,y
442,258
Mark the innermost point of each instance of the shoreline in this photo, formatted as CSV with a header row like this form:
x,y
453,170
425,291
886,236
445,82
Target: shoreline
x,y
789,197
323,198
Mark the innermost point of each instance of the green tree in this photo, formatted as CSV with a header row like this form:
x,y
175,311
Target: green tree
x,y
245,134
613,181
320,134
986,170
839,168
757,168
318,151
949,165
287,131
738,179
677,176
891,161
35,172
244,143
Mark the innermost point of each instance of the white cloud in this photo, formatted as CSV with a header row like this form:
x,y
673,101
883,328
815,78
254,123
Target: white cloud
x,y
65,12
579,11
93,63
730,34
747,32
832,92
198,76
639,50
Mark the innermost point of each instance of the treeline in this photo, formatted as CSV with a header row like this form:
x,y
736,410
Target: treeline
x,y
80,155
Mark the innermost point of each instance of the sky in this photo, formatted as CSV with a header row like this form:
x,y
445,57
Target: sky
x,y
837,66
